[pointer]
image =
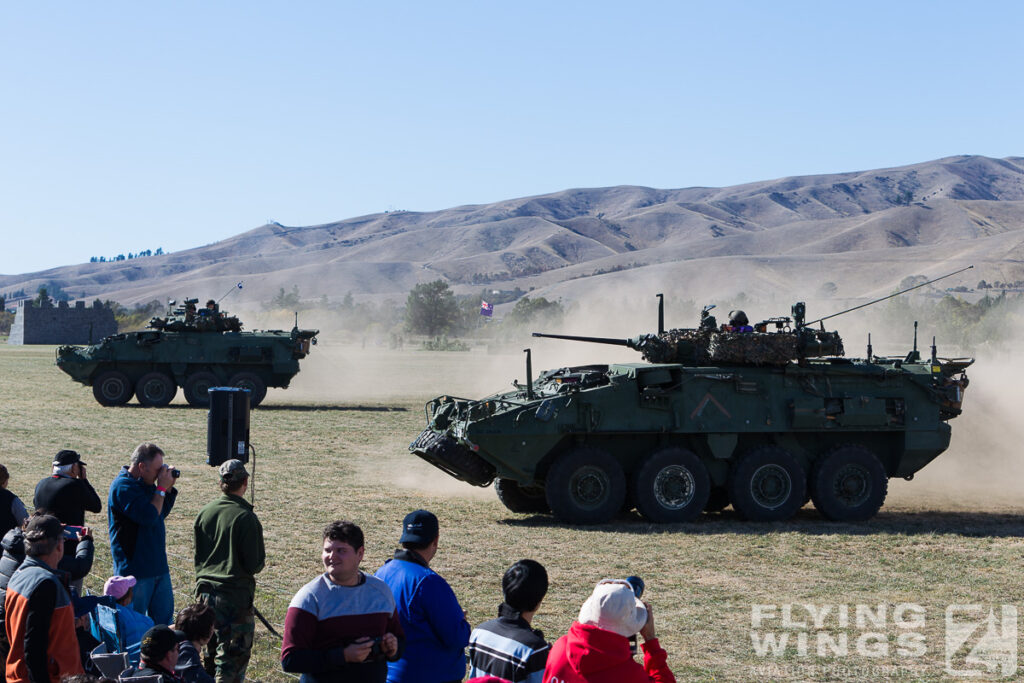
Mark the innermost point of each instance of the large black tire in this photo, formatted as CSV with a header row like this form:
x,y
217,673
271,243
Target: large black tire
x,y
767,485
155,390
251,381
850,484
718,500
585,486
521,498
671,486
112,388
196,386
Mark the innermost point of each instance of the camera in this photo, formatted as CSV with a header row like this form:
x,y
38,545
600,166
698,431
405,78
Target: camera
x,y
376,652
637,584
175,472
71,532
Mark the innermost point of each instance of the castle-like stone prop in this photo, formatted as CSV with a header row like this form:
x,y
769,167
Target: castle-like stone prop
x,y
61,324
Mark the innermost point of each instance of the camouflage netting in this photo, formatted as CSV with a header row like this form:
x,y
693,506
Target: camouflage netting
x,y
712,347
677,346
756,348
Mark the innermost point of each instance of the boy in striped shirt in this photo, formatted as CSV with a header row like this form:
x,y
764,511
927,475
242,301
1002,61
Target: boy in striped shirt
x,y
509,647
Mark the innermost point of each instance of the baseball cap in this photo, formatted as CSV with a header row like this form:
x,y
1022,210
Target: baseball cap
x,y
233,471
67,457
157,642
118,586
41,527
419,526
614,607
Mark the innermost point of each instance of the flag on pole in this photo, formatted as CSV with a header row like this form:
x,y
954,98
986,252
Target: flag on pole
x,y
486,309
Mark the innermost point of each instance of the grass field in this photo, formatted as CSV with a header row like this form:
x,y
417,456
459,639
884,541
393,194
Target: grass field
x,y
334,446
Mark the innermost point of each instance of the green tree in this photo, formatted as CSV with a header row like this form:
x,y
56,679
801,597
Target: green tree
x,y
430,308
42,298
286,300
828,290
535,311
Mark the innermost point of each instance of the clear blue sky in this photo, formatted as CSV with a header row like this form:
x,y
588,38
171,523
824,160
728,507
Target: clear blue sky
x,y
137,125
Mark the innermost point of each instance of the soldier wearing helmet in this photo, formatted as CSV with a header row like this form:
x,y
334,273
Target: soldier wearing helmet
x,y
738,322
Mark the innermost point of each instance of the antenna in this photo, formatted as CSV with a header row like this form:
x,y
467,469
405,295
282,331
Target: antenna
x,y
238,286
529,375
871,352
661,313
903,291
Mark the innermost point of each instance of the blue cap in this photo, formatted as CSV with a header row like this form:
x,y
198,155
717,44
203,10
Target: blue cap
x,y
419,526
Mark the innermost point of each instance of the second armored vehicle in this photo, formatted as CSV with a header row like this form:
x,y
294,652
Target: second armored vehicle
x,y
763,417
191,349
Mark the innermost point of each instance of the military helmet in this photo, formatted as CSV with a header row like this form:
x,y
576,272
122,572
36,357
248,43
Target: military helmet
x,y
738,318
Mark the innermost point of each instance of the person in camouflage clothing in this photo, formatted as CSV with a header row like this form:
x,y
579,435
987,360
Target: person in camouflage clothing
x,y
229,554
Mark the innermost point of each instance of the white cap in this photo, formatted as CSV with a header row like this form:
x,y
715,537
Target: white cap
x,y
614,607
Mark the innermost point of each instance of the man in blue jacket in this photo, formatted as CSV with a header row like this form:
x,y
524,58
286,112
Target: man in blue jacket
x,y
141,497
435,626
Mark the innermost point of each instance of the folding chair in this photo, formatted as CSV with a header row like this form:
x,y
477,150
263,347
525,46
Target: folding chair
x,y
106,627
110,664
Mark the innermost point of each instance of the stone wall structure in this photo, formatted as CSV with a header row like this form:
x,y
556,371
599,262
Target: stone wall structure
x,y
61,324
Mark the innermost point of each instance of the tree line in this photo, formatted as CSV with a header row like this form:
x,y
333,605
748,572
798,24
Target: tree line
x,y
121,257
430,309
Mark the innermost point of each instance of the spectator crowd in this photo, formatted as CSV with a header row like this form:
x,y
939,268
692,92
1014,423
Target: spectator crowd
x,y
400,624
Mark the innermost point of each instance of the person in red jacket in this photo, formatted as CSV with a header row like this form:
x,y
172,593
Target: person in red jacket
x,y
597,648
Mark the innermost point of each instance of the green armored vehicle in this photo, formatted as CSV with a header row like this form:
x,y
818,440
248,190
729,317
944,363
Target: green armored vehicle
x,y
189,348
763,417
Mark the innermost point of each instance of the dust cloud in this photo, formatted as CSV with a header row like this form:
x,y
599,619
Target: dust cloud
x,y
984,466
982,469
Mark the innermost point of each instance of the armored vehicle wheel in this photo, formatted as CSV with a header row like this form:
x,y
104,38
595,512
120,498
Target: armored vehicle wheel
x,y
155,389
521,498
850,484
671,486
112,388
196,386
718,500
768,485
252,382
585,486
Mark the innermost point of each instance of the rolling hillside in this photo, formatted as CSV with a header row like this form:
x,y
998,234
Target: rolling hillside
x,y
864,231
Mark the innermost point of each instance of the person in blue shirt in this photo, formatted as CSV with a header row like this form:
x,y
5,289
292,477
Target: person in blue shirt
x,y
141,496
435,625
133,625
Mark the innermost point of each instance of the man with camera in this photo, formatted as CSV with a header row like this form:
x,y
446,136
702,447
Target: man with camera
x,y
343,625
67,494
597,647
229,553
141,496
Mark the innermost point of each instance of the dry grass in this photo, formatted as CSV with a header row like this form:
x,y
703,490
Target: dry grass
x,y
334,446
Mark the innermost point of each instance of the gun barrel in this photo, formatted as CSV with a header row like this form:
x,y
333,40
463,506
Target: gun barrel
x,y
593,340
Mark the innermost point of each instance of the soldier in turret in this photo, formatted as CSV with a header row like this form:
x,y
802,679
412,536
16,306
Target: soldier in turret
x,y
738,322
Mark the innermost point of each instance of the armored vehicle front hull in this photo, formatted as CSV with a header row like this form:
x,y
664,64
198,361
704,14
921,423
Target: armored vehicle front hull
x,y
673,440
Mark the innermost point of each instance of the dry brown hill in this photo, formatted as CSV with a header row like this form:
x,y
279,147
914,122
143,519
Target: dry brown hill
x,y
863,230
